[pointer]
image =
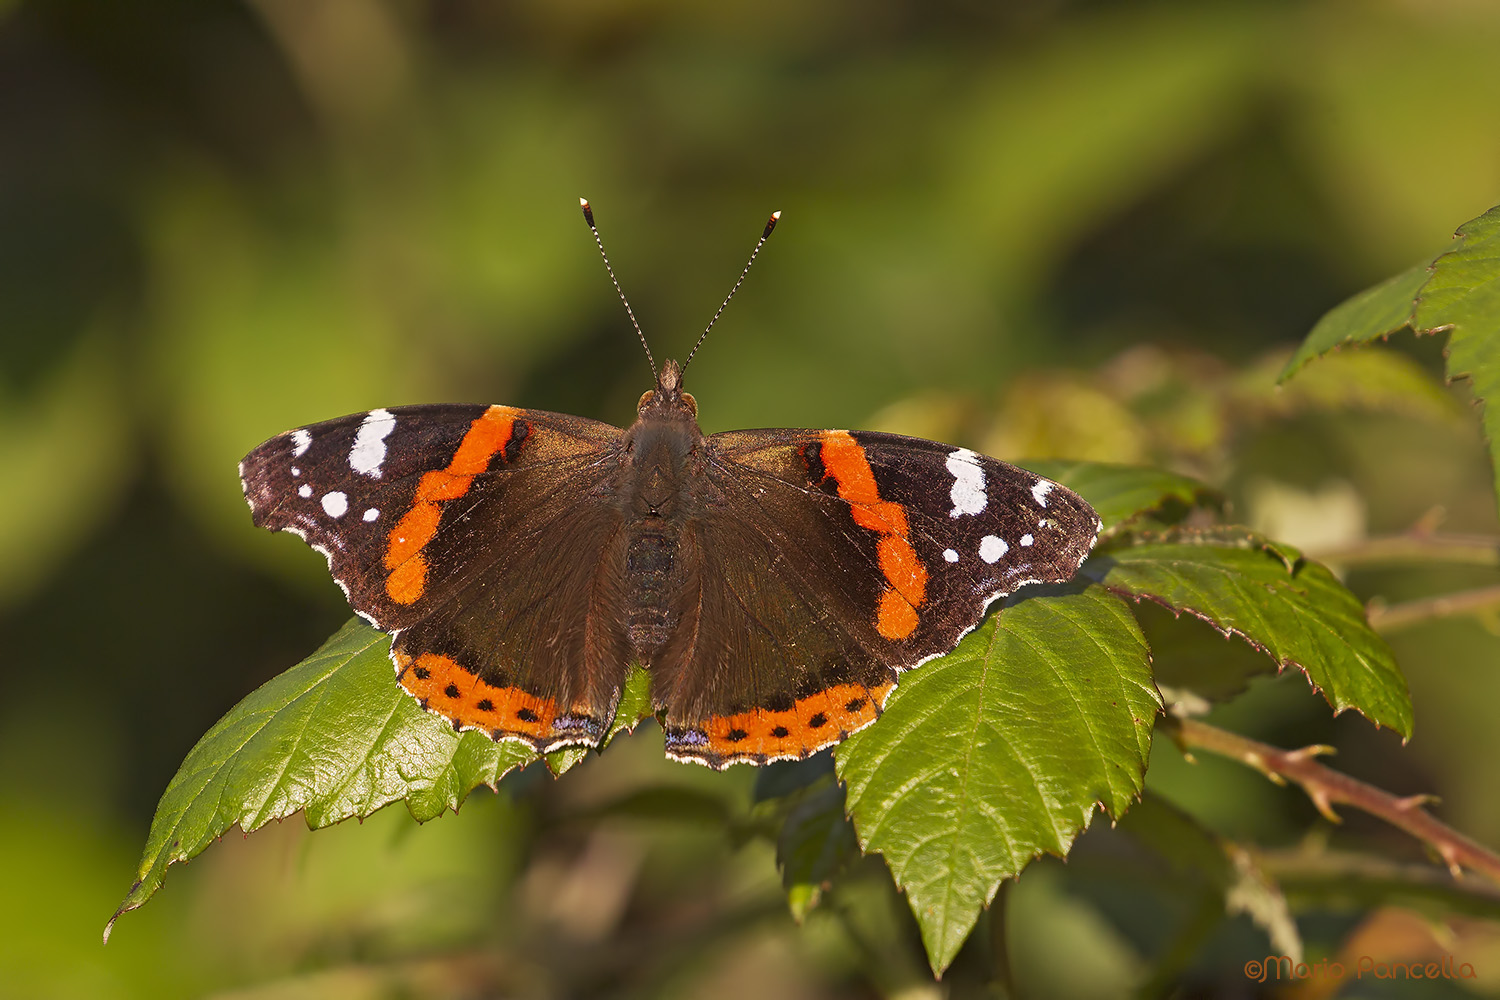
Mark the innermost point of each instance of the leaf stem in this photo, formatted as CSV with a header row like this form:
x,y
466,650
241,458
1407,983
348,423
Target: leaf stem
x,y
1003,982
1392,617
1417,546
1327,787
1178,954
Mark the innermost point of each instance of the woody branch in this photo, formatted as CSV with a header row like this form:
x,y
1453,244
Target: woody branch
x,y
1327,788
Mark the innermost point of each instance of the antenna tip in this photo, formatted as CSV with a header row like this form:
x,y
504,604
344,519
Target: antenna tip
x,y
583,203
770,225
588,213
776,214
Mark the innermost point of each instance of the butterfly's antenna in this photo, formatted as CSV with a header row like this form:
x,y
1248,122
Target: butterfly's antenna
x,y
588,216
770,225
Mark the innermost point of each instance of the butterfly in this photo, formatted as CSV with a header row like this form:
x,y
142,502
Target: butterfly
x,y
774,583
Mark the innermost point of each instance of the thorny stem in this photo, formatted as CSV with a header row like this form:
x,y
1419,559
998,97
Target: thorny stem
x,y
1392,617
1417,546
1327,787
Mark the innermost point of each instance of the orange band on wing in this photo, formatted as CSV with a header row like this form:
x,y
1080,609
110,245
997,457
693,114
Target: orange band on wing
x,y
810,724
844,460
456,694
488,435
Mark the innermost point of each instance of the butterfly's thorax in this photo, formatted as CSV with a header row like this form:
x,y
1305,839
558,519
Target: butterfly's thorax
x,y
658,485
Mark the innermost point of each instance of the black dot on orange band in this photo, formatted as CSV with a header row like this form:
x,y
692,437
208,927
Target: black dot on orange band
x,y
735,735
526,715
817,721
855,705
451,690
422,673
781,732
485,705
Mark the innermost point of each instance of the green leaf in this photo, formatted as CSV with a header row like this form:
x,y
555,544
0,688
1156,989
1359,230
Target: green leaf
x,y
1458,292
1372,380
999,751
1292,608
815,843
785,778
1463,294
334,737
635,705
1374,312
1122,493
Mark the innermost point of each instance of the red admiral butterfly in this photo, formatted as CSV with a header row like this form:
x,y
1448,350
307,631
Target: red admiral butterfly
x,y
773,582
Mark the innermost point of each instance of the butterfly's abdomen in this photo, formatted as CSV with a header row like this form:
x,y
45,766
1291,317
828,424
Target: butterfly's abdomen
x,y
657,488
649,559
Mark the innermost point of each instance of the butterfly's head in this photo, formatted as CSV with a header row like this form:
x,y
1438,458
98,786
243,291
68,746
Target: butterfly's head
x,y
668,397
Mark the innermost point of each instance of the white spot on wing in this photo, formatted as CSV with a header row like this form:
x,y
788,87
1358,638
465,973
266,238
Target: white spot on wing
x,y
335,504
1026,539
968,483
368,452
1040,491
304,491
296,471
301,441
950,555
991,548
372,514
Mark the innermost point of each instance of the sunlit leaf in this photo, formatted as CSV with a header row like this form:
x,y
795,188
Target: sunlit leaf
x,y
1000,751
1463,295
1459,292
334,737
1292,608
1375,312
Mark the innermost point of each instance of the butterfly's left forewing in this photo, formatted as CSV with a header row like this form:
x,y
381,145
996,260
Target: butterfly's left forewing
x,y
876,552
484,538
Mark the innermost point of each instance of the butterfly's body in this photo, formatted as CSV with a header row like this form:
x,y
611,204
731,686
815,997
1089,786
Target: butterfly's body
x,y
773,582
660,486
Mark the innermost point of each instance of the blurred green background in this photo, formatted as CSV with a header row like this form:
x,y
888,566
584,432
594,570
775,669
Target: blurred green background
x,y
1049,228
